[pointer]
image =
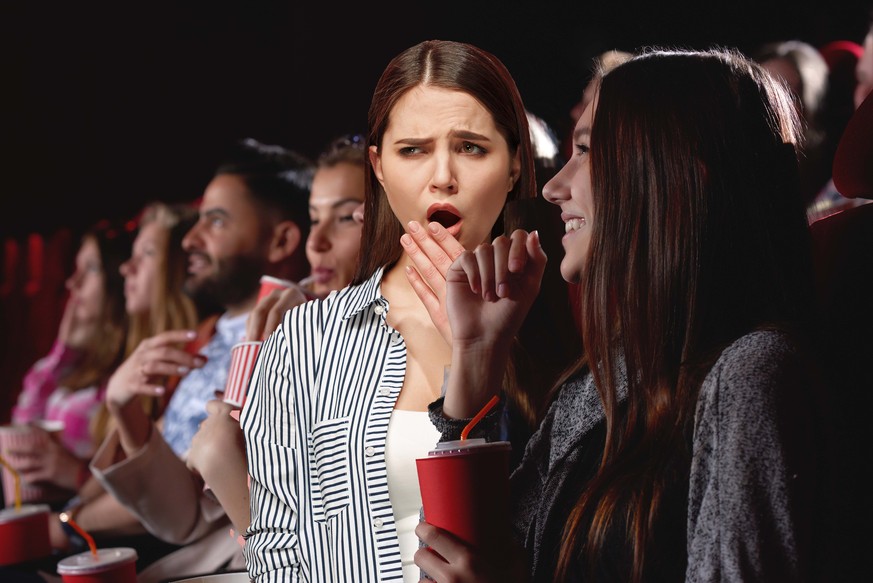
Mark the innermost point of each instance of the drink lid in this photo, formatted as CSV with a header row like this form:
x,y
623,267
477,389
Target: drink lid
x,y
27,510
468,446
85,563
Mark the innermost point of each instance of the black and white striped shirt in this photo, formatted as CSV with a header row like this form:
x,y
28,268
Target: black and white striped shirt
x,y
315,423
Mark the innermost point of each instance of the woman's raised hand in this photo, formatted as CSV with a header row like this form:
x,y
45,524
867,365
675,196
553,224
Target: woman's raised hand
x,y
432,251
491,289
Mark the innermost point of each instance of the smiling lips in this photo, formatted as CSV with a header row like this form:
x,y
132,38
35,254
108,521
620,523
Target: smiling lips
x,y
446,215
197,262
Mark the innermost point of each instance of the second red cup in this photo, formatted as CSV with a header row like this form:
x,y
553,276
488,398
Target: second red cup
x,y
465,490
269,283
243,357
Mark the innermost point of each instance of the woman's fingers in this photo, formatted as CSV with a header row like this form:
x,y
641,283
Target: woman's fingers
x,y
485,260
518,250
422,290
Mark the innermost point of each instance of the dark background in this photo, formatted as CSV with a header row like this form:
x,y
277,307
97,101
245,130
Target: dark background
x,y
107,106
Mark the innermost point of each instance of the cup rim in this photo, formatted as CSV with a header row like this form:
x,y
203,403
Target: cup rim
x,y
468,446
83,563
11,514
246,343
276,280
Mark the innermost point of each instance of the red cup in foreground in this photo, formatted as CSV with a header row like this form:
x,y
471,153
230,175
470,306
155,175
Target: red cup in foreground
x,y
465,490
116,565
24,533
243,357
24,436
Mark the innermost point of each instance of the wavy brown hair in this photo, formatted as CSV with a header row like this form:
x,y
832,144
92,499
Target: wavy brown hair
x,y
699,236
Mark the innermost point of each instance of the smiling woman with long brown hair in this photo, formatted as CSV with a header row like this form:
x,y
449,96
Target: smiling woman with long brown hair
x,y
682,447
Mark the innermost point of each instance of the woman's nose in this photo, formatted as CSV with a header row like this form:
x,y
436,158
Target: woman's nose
x,y
444,179
319,239
557,189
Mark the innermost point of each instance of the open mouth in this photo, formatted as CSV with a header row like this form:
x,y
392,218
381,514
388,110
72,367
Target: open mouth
x,y
444,217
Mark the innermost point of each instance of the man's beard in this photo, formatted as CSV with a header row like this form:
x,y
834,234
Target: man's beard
x,y
234,280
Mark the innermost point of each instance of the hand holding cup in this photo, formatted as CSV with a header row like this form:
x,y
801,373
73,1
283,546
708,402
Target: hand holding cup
x,y
145,371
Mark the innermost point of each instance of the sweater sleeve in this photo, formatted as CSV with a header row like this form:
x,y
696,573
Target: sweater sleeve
x,y
751,473
450,429
42,380
157,487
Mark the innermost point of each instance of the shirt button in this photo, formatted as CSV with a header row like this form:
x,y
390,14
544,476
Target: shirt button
x,y
379,309
395,338
369,451
377,523
384,392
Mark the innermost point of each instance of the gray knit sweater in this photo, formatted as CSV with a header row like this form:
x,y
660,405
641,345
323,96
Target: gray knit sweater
x,y
750,475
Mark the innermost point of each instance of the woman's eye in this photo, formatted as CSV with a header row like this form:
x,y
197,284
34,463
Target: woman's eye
x,y
471,148
410,150
346,219
582,148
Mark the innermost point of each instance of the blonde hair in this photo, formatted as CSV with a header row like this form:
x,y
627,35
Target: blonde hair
x,y
170,307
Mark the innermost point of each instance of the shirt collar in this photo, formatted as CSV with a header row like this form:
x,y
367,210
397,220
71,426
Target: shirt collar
x,y
365,294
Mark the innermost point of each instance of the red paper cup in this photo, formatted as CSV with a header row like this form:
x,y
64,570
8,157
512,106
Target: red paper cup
x,y
24,533
117,565
23,436
243,356
465,490
269,283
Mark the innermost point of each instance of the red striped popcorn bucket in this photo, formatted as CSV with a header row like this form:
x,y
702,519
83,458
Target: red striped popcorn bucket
x,y
243,356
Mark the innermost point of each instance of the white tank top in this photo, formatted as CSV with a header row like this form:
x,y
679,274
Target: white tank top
x,y
410,435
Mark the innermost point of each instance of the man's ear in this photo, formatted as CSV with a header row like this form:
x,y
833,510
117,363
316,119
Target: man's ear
x,y
286,239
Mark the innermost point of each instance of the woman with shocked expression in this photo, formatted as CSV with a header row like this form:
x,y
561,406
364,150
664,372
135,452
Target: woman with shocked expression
x,y
337,409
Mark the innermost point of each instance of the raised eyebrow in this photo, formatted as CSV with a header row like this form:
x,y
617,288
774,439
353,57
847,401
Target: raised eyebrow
x,y
468,135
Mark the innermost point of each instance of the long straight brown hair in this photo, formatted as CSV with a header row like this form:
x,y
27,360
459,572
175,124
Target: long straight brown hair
x,y
699,236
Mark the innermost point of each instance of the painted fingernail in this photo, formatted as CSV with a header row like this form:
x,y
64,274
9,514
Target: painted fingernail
x,y
191,334
413,226
160,390
502,290
184,370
